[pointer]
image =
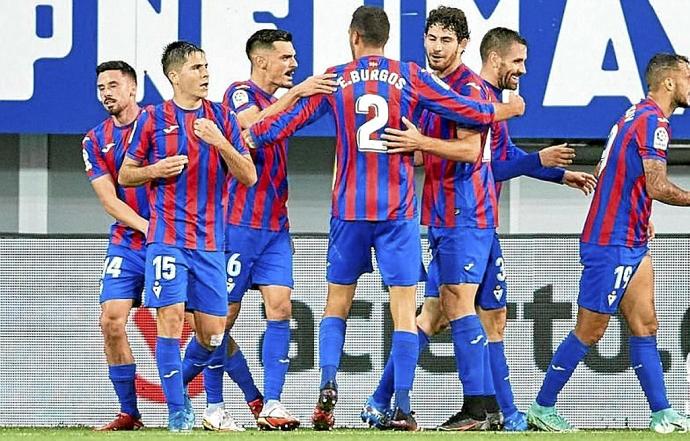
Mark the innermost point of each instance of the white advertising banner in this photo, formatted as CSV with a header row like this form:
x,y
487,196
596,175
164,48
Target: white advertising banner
x,y
53,371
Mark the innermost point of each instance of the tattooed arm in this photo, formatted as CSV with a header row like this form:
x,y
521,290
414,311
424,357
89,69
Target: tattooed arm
x,y
660,188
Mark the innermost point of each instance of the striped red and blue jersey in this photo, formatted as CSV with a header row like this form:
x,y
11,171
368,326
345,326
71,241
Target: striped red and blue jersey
x,y
458,194
188,210
374,93
104,149
621,208
263,205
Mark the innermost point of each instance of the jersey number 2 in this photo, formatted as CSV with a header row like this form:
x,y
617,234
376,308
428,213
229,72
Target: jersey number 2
x,y
362,106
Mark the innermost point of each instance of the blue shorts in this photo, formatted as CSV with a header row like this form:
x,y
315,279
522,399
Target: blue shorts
x,y
493,290
179,275
122,277
606,274
397,245
256,258
459,255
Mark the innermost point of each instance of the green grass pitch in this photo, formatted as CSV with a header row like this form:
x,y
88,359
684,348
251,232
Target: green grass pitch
x,y
86,434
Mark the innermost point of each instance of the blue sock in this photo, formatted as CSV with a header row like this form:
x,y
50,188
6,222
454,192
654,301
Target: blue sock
x,y
213,374
468,341
568,355
275,357
238,370
384,391
489,389
645,360
195,360
122,376
331,342
170,371
500,374
405,353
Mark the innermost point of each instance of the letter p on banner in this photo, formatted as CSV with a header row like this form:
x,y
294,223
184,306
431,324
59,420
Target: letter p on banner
x,y
31,30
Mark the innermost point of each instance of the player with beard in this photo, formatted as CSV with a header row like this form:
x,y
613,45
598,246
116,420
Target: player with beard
x,y
374,203
258,248
617,271
103,149
503,55
185,264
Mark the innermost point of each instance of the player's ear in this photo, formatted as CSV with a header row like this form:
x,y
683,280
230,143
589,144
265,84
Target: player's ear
x,y
463,43
260,61
669,84
173,77
495,59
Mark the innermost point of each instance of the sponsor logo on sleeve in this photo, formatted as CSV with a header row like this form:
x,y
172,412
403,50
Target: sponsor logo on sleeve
x,y
661,138
239,98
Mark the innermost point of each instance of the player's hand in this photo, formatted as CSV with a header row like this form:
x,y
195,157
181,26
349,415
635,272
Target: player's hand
x,y
248,139
208,132
556,156
516,104
580,180
170,166
651,231
316,84
403,141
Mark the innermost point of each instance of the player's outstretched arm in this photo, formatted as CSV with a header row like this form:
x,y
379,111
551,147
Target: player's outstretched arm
x,y
582,181
132,173
660,188
311,86
557,156
464,149
105,190
240,166
272,129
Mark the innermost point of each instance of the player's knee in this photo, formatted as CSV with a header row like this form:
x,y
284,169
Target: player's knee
x,y
280,311
494,322
644,328
337,309
113,327
590,336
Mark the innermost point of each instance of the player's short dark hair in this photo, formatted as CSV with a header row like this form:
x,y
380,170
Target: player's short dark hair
x,y
264,39
452,19
499,40
371,24
120,65
659,66
176,54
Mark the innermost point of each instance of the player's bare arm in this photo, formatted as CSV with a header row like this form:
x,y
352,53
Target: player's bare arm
x,y
660,188
311,86
133,173
514,107
582,181
105,190
557,156
465,148
241,166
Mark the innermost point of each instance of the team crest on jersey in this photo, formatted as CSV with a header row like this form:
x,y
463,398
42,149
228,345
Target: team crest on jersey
x,y
661,138
239,98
